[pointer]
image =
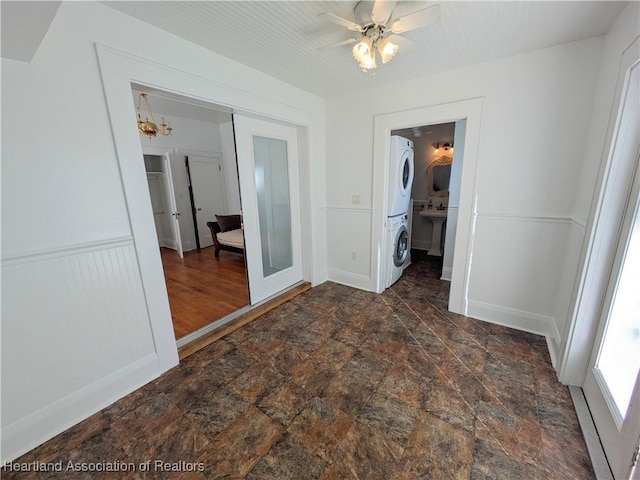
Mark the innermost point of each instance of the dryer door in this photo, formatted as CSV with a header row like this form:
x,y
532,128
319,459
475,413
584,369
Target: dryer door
x,y
405,175
400,246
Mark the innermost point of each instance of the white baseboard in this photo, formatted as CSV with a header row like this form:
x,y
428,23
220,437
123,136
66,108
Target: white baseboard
x,y
168,243
553,347
446,273
349,279
511,317
418,244
27,433
321,276
520,320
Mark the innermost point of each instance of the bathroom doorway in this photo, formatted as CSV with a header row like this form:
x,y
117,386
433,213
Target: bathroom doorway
x,y
435,193
471,112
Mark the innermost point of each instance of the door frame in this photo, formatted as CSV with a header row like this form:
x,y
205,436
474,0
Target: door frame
x,y
120,72
471,110
598,246
616,218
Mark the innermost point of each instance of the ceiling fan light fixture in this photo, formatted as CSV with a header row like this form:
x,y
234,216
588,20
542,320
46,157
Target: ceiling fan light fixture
x,y
387,49
373,20
362,49
369,62
365,54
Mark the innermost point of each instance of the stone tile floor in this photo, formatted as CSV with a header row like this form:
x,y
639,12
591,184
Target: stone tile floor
x,y
341,383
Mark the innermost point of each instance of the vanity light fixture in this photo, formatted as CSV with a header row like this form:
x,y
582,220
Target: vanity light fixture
x,y
445,146
148,126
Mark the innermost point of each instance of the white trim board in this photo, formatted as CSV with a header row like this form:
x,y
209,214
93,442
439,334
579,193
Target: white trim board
x,y
526,218
349,279
519,320
513,318
66,251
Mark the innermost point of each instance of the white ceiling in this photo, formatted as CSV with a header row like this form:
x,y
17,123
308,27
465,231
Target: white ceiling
x,y
23,27
442,132
281,38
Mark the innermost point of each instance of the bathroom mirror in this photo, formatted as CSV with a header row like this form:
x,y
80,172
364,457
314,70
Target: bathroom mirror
x,y
438,175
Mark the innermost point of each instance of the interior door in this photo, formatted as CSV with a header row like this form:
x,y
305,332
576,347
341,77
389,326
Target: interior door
x,y
173,205
612,383
268,171
208,196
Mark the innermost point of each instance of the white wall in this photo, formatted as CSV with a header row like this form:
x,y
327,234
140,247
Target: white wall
x,y
75,248
581,295
534,126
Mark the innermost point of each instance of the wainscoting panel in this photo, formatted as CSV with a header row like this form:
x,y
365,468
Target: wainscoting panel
x,y
349,246
75,336
568,281
516,271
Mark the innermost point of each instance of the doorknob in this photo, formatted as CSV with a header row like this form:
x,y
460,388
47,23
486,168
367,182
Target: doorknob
x,y
175,214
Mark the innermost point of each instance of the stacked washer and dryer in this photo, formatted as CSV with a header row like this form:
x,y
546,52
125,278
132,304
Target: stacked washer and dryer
x,y
400,183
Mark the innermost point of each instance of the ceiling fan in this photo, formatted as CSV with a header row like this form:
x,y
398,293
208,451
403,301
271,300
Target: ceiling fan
x,y
379,30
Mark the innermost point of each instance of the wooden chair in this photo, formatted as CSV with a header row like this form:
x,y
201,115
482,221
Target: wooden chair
x,y
227,234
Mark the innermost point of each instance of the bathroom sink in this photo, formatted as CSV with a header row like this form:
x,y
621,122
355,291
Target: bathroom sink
x,y
433,213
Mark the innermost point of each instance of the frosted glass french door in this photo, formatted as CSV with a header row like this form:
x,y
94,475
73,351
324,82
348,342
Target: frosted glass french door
x,y
268,170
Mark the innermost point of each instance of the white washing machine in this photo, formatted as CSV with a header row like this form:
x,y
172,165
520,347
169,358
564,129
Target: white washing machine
x,y
400,175
398,241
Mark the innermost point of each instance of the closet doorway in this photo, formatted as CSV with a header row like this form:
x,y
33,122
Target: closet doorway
x,y
192,177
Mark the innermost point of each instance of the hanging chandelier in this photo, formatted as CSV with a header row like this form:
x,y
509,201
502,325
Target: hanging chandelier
x,y
372,40
148,126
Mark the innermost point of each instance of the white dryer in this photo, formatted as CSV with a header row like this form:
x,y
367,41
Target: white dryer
x,y
398,242
400,175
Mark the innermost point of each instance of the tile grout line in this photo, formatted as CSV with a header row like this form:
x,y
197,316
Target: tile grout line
x,y
449,381
451,351
448,319
470,371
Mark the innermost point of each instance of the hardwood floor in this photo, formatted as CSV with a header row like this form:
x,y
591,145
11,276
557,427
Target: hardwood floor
x,y
203,288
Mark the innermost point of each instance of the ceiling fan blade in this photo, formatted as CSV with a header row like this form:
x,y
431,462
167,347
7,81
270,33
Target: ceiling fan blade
x,y
348,41
341,21
418,19
404,44
382,11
